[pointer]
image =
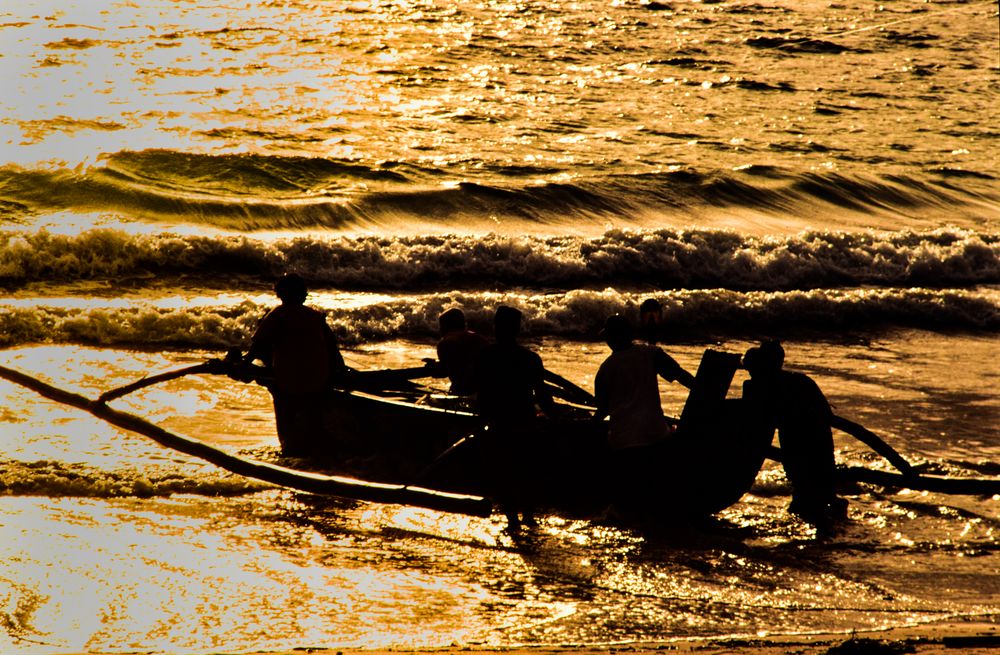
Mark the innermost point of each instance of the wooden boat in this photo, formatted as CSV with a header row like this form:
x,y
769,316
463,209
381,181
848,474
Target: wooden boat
x,y
385,442
710,460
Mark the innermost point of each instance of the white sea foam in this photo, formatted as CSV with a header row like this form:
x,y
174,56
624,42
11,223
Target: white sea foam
x,y
666,259
574,314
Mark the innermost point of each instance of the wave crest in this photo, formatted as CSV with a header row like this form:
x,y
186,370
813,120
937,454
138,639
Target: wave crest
x,y
256,192
666,259
574,314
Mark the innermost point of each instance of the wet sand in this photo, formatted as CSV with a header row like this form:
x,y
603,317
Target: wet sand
x,y
972,638
981,637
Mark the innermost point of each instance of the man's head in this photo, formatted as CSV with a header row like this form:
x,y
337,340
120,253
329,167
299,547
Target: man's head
x,y
651,319
650,312
506,324
291,289
773,353
617,332
452,320
764,360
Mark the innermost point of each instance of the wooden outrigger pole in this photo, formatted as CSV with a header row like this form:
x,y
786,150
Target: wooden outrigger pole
x,y
303,481
907,478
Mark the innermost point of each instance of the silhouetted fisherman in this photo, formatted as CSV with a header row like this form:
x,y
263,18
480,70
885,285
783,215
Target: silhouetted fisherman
x,y
626,389
510,392
297,345
651,320
457,352
794,404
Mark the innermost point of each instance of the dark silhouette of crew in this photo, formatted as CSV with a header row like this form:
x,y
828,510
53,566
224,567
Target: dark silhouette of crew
x,y
297,345
457,352
510,393
627,391
793,403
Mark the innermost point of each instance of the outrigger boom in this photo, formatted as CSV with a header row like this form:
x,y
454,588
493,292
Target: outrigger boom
x,y
286,477
416,496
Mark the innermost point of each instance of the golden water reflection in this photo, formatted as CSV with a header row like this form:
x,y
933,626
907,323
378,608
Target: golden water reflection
x,y
145,88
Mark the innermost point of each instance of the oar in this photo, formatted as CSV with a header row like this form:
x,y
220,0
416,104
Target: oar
x,y
388,379
563,388
280,475
385,379
210,366
873,441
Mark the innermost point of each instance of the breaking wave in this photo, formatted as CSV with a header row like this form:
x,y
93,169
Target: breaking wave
x,y
573,314
664,259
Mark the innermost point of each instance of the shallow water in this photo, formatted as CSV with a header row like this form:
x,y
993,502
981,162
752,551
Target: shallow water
x,y
825,173
176,555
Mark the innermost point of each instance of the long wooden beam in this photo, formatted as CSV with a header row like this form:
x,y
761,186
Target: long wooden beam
x,y
286,477
873,441
211,366
956,486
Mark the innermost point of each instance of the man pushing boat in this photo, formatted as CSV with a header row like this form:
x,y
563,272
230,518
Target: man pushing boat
x,y
794,404
297,345
510,391
457,352
626,390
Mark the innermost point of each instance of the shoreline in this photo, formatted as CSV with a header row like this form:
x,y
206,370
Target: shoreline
x,y
978,637
981,637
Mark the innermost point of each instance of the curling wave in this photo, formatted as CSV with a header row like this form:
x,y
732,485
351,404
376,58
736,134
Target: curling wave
x,y
256,192
665,259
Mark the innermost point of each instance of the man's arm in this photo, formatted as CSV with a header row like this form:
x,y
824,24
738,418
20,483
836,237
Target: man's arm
x,y
261,342
440,367
668,369
335,358
542,395
600,398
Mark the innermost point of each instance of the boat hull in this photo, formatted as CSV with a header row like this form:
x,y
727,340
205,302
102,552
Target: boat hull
x,y
706,465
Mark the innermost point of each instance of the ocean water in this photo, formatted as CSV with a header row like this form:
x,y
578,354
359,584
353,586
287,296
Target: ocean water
x,y
826,173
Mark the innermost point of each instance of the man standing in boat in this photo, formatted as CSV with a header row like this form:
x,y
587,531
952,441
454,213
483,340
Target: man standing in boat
x,y
626,390
300,349
510,393
794,404
457,352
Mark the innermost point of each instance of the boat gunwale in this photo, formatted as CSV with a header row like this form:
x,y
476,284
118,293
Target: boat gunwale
x,y
365,395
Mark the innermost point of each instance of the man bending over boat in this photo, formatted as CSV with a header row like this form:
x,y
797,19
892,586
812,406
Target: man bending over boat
x,y
794,404
626,390
457,352
299,347
510,391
